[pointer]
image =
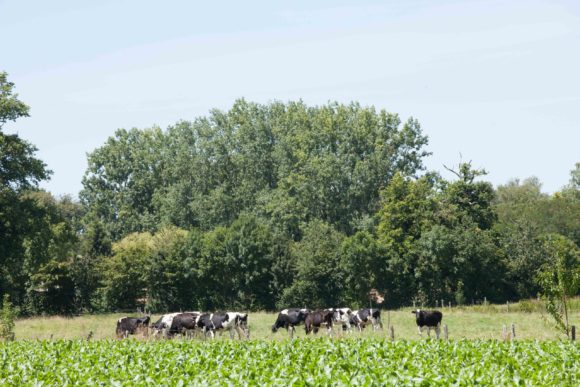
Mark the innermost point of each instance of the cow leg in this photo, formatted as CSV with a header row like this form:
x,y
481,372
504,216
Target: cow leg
x,y
438,330
429,332
420,332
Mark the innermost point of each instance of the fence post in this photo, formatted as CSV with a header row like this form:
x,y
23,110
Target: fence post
x,y
414,305
392,333
573,335
484,301
504,332
436,303
513,331
446,331
442,304
449,305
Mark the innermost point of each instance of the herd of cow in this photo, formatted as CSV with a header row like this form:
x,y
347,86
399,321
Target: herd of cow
x,y
189,323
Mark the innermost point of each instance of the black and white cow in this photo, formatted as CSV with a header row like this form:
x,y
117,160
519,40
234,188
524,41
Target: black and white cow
x,y
229,321
163,325
342,316
183,323
289,318
239,323
211,322
130,325
318,318
363,317
428,319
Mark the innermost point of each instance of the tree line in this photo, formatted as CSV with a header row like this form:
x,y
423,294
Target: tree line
x,y
272,205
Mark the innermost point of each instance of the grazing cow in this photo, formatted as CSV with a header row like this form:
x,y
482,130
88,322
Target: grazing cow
x,y
183,323
343,317
428,319
364,317
289,318
130,325
316,319
164,323
229,321
210,322
238,322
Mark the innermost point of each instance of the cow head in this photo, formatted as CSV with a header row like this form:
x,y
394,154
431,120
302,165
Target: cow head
x,y
418,315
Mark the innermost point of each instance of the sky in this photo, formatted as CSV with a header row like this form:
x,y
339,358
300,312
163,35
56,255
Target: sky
x,y
496,83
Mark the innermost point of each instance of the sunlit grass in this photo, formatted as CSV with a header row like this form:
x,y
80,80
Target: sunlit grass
x,y
473,322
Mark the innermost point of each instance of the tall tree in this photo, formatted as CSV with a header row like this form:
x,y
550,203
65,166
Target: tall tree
x,y
20,171
408,209
287,162
319,277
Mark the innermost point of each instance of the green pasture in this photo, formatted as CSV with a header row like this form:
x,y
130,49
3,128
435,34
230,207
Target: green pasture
x,y
477,322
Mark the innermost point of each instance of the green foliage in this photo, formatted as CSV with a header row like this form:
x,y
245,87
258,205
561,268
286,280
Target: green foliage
x,y
124,284
318,275
293,363
365,267
11,108
52,289
288,162
167,285
7,317
267,205
407,210
24,221
560,278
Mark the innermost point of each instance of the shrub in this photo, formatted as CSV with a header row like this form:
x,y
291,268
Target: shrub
x,y
7,316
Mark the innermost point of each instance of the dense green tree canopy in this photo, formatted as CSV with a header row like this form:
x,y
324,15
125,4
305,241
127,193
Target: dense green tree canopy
x,y
275,205
287,162
24,223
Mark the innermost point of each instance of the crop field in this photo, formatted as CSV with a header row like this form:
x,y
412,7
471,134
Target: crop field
x,y
359,361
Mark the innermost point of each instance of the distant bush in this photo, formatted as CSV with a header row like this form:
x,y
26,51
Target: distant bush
x,y
7,317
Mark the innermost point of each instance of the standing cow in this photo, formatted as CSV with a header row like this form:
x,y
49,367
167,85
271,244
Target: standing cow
x,y
229,321
163,325
289,318
239,323
318,318
343,317
428,319
363,317
130,325
184,323
211,322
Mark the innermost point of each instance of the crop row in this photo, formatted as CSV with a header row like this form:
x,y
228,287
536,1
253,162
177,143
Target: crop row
x,y
299,362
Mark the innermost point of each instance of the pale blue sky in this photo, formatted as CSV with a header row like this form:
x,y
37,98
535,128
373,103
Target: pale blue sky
x,y
495,81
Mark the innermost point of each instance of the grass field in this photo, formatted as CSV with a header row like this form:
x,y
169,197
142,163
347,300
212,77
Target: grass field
x,y
477,322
